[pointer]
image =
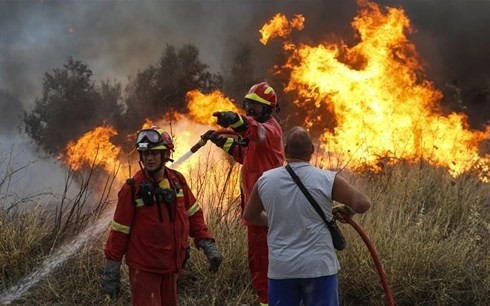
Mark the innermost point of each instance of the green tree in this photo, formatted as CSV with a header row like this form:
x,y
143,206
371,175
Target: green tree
x,y
241,73
71,104
162,88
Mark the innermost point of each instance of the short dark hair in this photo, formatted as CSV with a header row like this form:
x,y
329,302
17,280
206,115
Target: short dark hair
x,y
298,143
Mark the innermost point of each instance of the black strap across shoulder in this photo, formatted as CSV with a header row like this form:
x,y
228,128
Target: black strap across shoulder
x,y
307,194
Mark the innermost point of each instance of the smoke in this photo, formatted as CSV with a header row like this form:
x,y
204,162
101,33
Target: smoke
x,y
25,178
118,38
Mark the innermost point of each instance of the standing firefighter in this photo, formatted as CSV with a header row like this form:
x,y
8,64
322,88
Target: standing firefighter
x,y
264,150
155,214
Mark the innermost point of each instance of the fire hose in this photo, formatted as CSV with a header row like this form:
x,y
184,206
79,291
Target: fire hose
x,y
374,255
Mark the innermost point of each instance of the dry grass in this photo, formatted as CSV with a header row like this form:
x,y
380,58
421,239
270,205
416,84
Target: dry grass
x,y
431,232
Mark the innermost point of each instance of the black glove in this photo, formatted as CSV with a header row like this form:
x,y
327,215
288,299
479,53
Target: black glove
x,y
208,135
212,253
219,141
225,119
111,280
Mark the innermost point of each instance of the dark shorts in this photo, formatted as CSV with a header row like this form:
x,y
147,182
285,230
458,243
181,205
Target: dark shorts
x,y
319,291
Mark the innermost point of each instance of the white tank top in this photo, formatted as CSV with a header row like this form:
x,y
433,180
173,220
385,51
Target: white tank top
x,y
300,243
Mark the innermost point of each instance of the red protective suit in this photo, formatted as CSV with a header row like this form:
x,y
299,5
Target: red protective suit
x,y
264,151
154,242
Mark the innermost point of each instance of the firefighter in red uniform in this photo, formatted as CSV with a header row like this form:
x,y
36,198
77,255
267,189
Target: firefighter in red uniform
x,y
155,215
260,149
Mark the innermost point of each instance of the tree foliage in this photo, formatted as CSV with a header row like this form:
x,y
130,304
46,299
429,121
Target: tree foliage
x,y
241,73
161,89
71,104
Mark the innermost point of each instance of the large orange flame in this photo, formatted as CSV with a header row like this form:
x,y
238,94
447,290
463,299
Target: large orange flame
x,y
279,26
201,106
383,106
94,148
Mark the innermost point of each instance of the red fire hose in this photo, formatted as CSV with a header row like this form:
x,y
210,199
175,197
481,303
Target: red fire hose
x,y
374,255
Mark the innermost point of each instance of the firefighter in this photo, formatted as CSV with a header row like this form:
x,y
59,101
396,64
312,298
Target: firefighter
x,y
155,214
259,149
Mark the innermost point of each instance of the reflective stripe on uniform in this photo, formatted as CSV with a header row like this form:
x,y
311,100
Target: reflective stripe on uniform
x,y
120,228
193,209
228,144
139,202
238,123
261,133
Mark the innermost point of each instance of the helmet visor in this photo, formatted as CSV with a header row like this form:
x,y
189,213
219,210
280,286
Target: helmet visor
x,y
150,135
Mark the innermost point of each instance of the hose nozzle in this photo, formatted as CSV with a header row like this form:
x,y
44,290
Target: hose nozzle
x,y
198,145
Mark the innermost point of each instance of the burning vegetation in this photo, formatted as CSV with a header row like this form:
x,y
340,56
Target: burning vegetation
x,y
370,103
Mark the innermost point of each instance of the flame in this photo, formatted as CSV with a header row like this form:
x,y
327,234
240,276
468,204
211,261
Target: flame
x,y
201,107
381,103
279,26
94,148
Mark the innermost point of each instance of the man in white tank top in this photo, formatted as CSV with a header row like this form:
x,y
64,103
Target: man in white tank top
x,y
303,264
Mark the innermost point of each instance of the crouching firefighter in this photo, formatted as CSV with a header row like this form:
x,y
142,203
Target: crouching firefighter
x,y
155,214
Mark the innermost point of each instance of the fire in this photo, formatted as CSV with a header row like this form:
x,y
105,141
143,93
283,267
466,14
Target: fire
x,y
201,107
279,26
383,106
94,148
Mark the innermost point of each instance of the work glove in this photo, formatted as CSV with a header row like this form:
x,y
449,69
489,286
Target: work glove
x,y
342,208
219,141
208,135
225,119
212,253
111,280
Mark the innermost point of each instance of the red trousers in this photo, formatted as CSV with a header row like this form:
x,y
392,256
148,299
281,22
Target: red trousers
x,y
258,259
152,289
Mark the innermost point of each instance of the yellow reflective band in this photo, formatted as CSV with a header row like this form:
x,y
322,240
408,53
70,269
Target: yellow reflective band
x,y
164,183
180,194
120,228
139,202
194,208
264,304
227,145
238,123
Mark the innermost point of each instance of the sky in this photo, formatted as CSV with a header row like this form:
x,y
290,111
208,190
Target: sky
x,y
118,38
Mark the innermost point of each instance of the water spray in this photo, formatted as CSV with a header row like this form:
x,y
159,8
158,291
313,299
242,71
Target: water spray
x,y
67,250
54,260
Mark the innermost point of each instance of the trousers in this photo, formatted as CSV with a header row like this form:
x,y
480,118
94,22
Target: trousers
x,y
153,289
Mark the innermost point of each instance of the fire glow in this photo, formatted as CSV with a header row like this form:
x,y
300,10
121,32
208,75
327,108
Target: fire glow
x,y
95,148
382,105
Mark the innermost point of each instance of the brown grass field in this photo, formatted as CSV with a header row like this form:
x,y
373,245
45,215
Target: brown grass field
x,y
431,232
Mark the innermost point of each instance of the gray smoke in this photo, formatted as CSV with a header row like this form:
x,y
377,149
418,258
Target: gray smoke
x,y
118,38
